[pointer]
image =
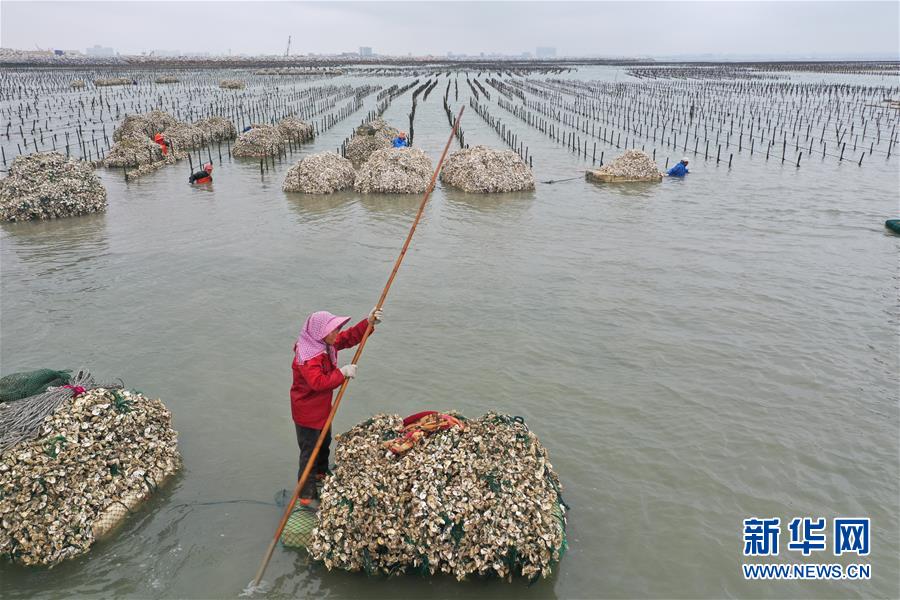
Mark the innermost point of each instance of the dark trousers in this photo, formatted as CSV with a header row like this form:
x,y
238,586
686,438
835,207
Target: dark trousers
x,y
306,440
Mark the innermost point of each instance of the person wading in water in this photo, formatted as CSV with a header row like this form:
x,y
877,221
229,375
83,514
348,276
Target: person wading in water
x,y
204,176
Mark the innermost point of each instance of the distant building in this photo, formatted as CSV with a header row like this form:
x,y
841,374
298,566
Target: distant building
x,y
97,50
545,52
365,51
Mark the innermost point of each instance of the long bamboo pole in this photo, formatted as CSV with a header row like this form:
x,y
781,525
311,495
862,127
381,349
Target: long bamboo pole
x,y
359,350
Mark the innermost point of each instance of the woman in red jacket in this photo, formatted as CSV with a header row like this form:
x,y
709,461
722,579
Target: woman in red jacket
x,y
316,375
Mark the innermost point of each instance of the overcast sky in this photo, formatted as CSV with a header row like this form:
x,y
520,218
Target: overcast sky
x,y
826,29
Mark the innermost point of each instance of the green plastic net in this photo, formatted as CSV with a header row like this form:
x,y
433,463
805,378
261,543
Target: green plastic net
x,y
16,386
298,530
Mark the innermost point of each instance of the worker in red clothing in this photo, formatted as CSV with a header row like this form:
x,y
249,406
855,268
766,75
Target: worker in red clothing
x,y
163,144
316,375
204,176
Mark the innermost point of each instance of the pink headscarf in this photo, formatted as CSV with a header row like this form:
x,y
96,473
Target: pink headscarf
x,y
309,342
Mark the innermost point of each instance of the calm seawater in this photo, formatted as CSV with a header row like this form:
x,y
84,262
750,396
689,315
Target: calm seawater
x,y
691,353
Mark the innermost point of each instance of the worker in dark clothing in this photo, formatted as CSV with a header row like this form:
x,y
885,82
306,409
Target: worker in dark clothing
x,y
204,176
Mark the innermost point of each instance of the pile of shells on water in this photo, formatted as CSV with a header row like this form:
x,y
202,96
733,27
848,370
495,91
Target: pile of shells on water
x,y
217,129
322,173
97,458
231,84
144,125
77,84
260,141
47,185
632,165
166,79
395,171
134,152
148,168
292,128
484,170
369,137
113,81
481,500
135,146
185,136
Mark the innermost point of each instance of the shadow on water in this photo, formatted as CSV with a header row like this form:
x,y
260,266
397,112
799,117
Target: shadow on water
x,y
630,190
507,203
309,576
59,244
203,187
313,207
390,205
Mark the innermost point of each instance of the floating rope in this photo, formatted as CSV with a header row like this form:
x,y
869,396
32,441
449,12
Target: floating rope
x,y
552,181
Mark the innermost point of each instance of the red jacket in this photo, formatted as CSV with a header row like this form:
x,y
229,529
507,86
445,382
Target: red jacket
x,y
315,379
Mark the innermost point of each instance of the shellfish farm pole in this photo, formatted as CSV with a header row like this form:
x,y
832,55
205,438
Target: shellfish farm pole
x,y
359,349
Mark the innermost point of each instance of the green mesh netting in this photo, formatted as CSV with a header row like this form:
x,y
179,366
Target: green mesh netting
x,y
16,386
298,530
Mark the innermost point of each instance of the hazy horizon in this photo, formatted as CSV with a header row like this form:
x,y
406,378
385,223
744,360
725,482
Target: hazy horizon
x,y
726,30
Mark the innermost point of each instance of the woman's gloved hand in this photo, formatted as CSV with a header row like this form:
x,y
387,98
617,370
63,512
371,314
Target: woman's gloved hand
x,y
348,371
375,316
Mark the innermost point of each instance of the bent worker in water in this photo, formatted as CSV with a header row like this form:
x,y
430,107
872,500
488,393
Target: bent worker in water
x,y
316,376
204,176
679,170
163,143
400,141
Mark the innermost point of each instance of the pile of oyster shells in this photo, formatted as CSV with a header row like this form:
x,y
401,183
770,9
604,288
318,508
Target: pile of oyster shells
x,y
483,500
484,170
294,129
231,84
134,152
395,171
97,452
148,168
322,173
113,81
135,147
217,129
47,185
259,142
144,125
632,164
77,84
185,136
369,137
166,79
